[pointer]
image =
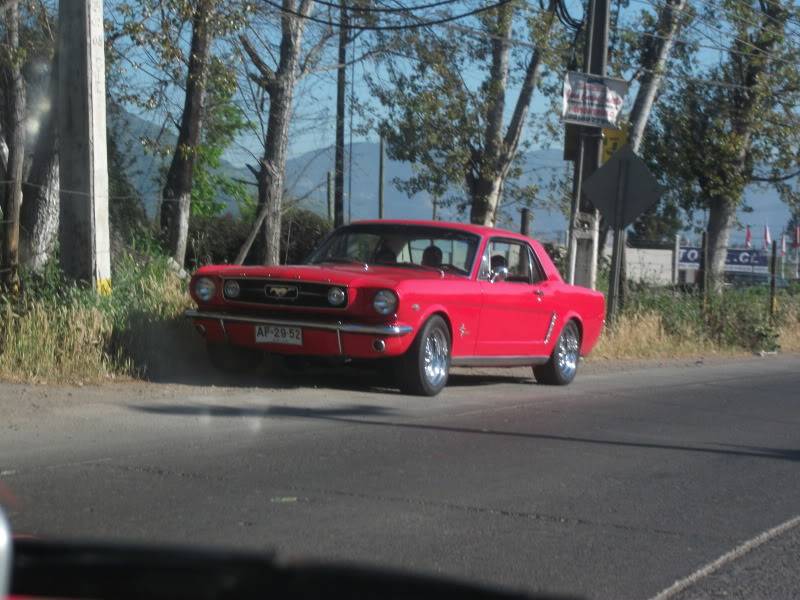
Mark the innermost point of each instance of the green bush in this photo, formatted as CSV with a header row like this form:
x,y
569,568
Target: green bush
x,y
214,240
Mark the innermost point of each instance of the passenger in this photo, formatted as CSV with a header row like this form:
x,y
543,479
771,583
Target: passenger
x,y
432,257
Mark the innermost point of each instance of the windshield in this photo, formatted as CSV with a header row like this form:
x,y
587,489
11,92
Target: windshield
x,y
400,246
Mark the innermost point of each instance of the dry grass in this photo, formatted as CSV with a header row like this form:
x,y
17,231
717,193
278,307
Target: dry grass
x,y
643,336
789,337
74,336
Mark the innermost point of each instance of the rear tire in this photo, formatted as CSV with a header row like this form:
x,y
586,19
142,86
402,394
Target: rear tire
x,y
233,359
424,369
563,363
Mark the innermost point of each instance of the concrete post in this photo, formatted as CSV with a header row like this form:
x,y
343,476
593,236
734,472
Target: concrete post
x,y
83,230
676,254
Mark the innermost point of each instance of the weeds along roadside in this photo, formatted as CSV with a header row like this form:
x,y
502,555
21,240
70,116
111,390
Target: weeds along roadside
x,y
59,332
671,322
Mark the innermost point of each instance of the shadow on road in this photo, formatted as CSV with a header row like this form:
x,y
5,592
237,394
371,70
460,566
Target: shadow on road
x,y
348,414
220,410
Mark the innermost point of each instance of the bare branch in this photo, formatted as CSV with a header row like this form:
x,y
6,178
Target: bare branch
x,y
776,178
267,75
313,55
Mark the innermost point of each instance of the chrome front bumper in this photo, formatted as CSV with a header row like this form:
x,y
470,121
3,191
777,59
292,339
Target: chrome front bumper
x,y
338,326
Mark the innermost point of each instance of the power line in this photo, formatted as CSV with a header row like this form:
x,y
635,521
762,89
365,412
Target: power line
x,y
387,9
440,21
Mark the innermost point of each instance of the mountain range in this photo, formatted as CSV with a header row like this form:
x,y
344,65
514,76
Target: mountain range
x,y
306,177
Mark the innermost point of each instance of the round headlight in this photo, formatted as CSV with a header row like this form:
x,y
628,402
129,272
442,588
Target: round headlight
x,y
336,296
205,289
385,302
232,289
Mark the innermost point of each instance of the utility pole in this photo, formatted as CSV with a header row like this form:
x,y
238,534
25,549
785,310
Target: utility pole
x,y
330,195
525,225
380,181
341,84
83,229
583,248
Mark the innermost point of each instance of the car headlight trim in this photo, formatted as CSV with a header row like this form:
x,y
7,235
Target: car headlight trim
x,y
336,296
384,302
205,289
232,289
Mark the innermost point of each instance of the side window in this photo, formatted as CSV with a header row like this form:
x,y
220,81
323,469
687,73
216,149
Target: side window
x,y
537,272
515,256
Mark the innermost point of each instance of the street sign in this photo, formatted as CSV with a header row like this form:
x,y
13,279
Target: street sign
x,y
624,178
736,260
592,100
613,140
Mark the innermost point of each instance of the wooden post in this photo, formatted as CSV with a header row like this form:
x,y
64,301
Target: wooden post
x,y
772,280
617,256
704,271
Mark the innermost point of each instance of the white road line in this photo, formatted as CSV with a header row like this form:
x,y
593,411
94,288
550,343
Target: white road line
x,y
729,557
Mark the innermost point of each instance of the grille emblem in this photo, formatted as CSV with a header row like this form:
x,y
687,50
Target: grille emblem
x,y
281,292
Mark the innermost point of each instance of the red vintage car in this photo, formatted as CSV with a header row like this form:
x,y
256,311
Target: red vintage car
x,y
420,295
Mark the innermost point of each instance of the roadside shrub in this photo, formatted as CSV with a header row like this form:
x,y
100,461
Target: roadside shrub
x,y
61,332
217,239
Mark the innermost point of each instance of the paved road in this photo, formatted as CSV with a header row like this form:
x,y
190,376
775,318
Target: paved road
x,y
614,487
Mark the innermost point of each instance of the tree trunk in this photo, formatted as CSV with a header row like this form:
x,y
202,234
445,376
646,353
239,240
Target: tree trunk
x,y
3,157
177,194
273,165
15,130
40,193
280,87
721,216
486,175
653,64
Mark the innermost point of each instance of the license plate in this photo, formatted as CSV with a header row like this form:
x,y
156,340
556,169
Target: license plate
x,y
278,334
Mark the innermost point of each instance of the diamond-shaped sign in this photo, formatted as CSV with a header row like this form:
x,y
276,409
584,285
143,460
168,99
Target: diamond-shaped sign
x,y
624,177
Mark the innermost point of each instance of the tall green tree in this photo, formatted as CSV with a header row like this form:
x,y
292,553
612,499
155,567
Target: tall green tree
x,y
457,135
151,35
736,123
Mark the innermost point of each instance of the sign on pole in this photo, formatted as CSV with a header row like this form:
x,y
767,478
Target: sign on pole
x,y
592,100
613,141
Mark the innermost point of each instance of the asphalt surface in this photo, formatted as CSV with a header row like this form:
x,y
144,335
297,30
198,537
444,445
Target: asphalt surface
x,y
614,487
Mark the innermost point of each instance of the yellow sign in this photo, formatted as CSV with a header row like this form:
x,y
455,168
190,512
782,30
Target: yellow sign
x,y
104,287
613,140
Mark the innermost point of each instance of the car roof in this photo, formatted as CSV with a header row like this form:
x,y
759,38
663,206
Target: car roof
x,y
481,230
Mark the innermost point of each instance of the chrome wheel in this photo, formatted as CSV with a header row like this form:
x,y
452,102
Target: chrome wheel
x,y
436,353
566,354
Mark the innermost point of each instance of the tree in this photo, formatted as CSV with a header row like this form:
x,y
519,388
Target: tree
x,y
154,32
278,84
177,193
11,61
456,136
716,138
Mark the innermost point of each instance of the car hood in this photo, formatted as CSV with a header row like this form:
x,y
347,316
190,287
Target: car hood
x,y
346,275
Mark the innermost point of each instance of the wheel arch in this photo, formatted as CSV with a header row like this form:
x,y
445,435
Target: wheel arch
x,y
570,316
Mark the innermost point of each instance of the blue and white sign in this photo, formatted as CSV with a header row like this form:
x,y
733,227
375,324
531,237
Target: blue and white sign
x,y
736,261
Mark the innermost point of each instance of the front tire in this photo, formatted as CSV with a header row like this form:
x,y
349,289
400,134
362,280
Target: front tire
x,y
563,363
424,369
233,359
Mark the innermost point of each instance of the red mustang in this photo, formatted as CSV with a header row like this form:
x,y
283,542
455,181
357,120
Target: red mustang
x,y
426,295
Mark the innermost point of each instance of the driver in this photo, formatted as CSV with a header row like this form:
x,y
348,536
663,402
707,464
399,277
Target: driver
x,y
432,257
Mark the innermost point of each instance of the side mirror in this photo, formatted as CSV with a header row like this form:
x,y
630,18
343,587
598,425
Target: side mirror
x,y
499,274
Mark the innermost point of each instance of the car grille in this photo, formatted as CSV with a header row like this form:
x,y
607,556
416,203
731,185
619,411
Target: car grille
x,y
284,293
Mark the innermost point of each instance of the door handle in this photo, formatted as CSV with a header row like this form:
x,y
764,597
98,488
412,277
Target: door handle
x,y
539,294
